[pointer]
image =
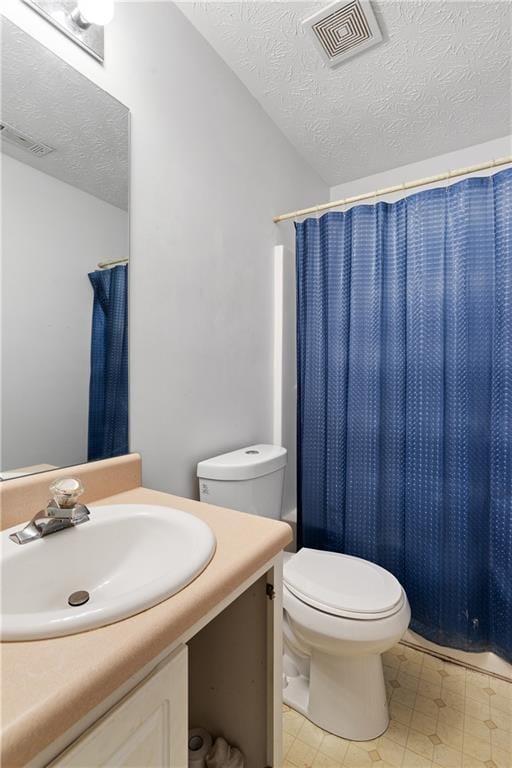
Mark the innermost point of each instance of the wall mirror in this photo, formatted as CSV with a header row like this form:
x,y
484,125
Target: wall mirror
x,y
65,240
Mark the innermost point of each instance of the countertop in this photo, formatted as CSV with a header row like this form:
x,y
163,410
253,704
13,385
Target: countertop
x,y
49,685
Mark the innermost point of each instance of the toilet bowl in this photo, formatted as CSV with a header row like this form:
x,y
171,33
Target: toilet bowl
x,y
341,613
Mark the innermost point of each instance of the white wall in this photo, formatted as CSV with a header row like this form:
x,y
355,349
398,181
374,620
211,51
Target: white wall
x,y
462,158
209,171
52,235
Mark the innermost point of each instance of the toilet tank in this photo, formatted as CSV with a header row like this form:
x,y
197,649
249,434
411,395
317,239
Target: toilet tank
x,y
250,479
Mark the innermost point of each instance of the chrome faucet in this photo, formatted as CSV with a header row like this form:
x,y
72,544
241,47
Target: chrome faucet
x,y
62,511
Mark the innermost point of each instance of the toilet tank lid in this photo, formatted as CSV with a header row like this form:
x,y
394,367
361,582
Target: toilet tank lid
x,y
243,464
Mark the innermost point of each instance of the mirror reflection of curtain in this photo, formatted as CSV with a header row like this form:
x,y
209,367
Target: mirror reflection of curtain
x,y
405,400
108,390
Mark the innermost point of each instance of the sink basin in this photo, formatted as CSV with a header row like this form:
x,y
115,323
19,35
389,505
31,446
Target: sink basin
x,y
128,557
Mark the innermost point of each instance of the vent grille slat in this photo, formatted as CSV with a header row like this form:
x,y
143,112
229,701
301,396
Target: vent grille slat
x,y
13,136
344,29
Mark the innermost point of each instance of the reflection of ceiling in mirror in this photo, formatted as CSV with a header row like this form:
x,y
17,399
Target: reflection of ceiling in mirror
x,y
48,100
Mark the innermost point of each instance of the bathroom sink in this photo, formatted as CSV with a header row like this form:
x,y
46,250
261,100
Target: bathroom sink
x,y
127,557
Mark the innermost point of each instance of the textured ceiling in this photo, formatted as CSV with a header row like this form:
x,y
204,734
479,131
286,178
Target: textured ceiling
x,y
48,100
439,81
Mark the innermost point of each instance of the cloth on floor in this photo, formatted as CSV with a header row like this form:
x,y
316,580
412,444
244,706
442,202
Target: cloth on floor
x,y
222,755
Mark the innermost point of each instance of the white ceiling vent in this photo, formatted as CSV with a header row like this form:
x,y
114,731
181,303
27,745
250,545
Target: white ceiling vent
x,y
343,29
25,142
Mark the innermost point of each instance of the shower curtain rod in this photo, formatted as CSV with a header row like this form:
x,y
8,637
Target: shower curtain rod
x,y
106,264
396,188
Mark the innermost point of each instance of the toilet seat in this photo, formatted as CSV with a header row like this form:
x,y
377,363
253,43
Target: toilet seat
x,y
343,585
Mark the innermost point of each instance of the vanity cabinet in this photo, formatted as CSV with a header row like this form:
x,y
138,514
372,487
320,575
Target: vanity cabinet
x,y
225,676
148,728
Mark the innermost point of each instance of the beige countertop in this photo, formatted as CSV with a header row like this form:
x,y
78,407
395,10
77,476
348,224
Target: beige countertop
x,y
49,685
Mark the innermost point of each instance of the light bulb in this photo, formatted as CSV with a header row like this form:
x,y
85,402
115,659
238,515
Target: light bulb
x,y
98,12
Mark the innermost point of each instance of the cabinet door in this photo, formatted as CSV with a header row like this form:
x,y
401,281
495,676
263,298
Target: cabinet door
x,y
147,729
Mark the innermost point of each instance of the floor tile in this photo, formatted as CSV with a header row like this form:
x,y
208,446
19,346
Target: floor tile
x,y
452,717
310,734
292,722
447,757
357,758
301,754
397,732
404,696
432,674
432,661
454,670
501,739
413,760
390,751
411,667
390,659
408,680
454,700
368,746
420,744
502,687
470,762
426,706
479,709
334,747
324,761
477,728
454,684
442,716
450,736
400,713
477,678
501,719
502,757
478,693
390,673
423,723
429,689
288,740
479,748
501,703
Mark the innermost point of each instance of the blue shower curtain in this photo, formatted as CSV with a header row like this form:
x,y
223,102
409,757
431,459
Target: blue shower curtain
x,y
108,389
405,400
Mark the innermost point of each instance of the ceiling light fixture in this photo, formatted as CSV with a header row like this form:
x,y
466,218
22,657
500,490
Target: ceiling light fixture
x,y
87,12
81,20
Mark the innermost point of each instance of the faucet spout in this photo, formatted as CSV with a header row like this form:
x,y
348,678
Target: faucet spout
x,y
52,519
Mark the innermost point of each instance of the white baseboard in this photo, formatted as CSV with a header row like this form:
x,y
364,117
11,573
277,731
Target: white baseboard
x,y
488,663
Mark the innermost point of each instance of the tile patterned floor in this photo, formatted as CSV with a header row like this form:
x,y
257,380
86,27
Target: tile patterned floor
x,y
442,716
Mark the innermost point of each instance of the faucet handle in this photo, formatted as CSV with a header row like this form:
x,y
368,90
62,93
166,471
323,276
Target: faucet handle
x,y
66,492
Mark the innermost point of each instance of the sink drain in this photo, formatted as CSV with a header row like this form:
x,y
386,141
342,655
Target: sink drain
x,y
78,598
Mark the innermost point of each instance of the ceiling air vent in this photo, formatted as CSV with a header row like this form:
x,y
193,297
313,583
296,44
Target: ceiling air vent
x,y
343,29
14,136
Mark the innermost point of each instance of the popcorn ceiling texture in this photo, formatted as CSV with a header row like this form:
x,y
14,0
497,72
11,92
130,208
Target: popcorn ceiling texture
x,y
439,81
46,99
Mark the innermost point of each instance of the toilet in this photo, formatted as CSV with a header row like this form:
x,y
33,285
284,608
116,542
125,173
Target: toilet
x,y
340,613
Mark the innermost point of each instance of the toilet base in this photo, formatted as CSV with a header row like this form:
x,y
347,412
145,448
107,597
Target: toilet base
x,y
345,696
296,694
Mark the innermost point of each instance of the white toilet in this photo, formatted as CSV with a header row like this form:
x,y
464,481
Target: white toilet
x,y
340,612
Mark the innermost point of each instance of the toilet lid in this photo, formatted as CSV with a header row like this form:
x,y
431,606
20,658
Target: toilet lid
x,y
342,585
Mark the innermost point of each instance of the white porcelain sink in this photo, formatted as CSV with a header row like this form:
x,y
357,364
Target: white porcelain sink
x,y
128,558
